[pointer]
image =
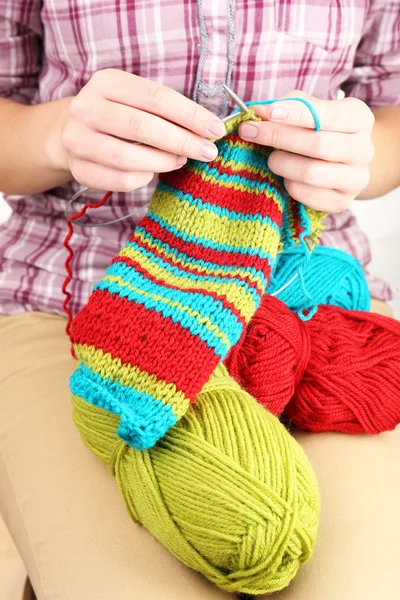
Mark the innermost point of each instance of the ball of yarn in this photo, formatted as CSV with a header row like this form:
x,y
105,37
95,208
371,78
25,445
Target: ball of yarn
x,y
269,361
352,381
329,276
227,490
340,371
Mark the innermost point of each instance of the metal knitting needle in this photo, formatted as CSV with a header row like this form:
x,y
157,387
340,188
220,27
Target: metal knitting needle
x,y
239,102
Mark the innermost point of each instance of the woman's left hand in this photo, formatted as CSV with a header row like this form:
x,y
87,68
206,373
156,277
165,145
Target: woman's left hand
x,y
324,169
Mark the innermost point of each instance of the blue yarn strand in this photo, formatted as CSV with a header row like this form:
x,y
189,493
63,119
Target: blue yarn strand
x,y
310,107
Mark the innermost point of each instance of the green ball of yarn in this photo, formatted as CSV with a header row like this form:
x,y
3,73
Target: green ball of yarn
x,y
227,490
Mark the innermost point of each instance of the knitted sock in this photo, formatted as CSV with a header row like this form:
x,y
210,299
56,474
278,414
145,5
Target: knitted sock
x,y
181,291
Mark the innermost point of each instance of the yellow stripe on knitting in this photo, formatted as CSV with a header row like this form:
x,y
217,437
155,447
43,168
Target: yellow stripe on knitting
x,y
128,375
235,294
215,270
219,229
208,324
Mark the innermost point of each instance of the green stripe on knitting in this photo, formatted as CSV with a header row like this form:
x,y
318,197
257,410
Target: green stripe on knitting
x,y
208,243
200,204
191,261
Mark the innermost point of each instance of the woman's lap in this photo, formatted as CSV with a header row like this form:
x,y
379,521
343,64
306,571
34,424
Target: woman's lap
x,y
64,511
59,502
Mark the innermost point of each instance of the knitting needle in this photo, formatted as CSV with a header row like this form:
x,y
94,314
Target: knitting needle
x,y
239,102
83,190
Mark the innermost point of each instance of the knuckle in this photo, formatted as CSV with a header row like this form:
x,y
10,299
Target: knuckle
x,y
185,146
78,107
69,140
293,93
118,159
275,137
135,127
332,115
155,94
309,173
320,148
102,77
191,115
303,113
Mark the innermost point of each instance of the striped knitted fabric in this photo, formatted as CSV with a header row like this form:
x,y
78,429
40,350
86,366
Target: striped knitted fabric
x,y
181,291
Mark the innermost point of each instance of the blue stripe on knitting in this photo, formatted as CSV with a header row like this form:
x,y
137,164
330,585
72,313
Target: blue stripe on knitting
x,y
190,260
251,184
208,243
214,208
228,152
144,419
175,270
207,307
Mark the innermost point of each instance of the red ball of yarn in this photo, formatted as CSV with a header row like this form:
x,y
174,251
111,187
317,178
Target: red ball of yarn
x,y
340,371
352,381
269,361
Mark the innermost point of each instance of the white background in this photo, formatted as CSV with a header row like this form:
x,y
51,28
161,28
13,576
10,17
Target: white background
x,y
381,220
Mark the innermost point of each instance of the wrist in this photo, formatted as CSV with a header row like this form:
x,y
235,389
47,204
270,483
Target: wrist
x,y
55,154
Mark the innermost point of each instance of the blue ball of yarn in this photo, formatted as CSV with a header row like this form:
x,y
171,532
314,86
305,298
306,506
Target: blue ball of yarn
x,y
326,276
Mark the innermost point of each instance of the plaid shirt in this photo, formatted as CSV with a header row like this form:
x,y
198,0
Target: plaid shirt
x,y
262,48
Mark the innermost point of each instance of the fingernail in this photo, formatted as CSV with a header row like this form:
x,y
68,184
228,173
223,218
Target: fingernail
x,y
181,160
216,129
248,131
209,152
279,113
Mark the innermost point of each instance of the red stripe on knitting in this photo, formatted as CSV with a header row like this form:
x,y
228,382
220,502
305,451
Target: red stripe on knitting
x,y
161,282
191,270
225,197
146,339
251,175
218,257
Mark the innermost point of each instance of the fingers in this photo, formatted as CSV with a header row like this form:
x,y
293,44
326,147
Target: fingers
x,y
117,154
160,100
320,174
322,199
349,115
354,148
93,175
132,124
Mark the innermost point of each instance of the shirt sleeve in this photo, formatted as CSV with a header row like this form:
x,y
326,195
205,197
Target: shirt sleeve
x,y
375,77
20,49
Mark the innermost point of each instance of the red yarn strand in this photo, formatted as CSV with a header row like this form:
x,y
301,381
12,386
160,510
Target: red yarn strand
x,y
70,256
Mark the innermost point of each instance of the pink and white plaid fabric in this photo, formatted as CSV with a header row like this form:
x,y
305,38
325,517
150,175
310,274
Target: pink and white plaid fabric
x,y
262,48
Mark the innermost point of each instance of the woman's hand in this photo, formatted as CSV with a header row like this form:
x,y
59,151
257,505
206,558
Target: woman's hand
x,y
115,109
325,170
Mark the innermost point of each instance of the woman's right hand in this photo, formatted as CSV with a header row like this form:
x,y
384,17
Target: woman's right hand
x,y
116,108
